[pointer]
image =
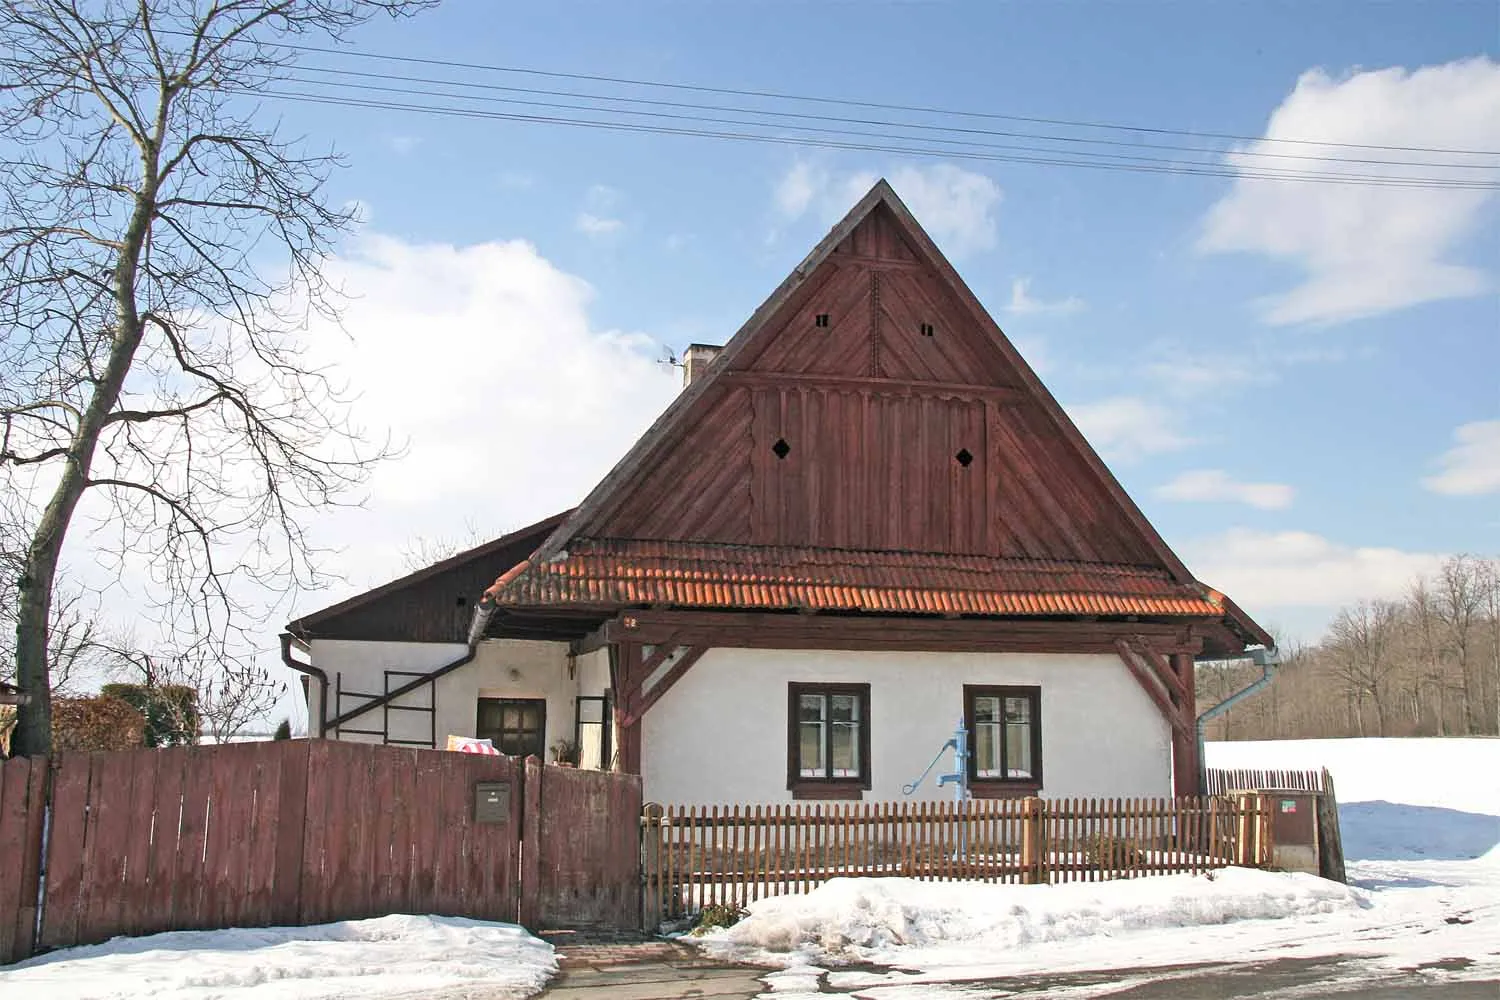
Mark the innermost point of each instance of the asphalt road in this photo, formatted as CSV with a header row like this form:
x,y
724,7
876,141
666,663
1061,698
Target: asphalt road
x,y
667,974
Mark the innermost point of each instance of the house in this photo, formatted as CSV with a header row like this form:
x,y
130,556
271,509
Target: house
x,y
863,519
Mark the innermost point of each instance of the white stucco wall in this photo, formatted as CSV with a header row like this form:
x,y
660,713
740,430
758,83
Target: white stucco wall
x,y
720,734
593,673
502,668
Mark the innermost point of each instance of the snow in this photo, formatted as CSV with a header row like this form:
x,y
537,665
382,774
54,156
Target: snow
x,y
883,920
393,956
1421,827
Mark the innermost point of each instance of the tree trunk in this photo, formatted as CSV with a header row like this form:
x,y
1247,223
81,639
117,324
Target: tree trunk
x,y
33,733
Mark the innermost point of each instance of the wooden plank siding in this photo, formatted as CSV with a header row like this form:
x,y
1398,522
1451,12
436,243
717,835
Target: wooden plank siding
x,y
733,855
875,411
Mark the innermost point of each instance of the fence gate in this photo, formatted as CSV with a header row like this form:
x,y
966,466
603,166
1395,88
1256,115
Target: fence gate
x,y
581,848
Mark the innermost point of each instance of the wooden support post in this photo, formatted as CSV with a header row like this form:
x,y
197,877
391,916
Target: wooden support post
x,y
1034,841
653,884
1185,763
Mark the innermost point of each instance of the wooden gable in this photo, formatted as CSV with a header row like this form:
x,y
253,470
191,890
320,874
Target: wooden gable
x,y
872,404
433,604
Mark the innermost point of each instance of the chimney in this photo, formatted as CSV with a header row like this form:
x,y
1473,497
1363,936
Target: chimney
x,y
696,361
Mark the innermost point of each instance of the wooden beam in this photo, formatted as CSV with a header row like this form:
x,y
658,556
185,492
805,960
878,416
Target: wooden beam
x,y
1002,395
648,698
1186,766
1170,711
1157,664
628,655
751,630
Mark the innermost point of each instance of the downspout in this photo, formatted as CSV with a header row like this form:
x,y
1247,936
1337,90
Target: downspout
x,y
307,668
1267,659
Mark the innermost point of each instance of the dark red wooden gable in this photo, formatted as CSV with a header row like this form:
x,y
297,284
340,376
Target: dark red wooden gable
x,y
874,407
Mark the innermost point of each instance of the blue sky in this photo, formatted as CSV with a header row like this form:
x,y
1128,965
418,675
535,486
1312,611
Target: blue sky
x,y
1299,383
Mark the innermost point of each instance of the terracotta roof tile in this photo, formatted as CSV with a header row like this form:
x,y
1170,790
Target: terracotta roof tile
x,y
704,575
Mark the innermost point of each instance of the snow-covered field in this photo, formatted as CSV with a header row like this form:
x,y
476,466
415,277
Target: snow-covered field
x,y
1421,827
395,956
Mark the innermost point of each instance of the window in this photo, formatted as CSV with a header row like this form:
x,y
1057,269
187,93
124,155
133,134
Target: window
x,y
1005,736
517,726
591,733
828,740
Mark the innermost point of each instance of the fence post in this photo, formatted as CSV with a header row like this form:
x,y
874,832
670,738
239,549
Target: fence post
x,y
531,842
25,784
652,885
1034,840
1330,841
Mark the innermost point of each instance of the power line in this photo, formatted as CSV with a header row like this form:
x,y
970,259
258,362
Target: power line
x,y
874,105
1172,167
917,126
855,136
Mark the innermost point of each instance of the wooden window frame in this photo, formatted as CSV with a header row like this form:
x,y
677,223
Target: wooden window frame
x,y
606,751
826,788
1000,788
479,705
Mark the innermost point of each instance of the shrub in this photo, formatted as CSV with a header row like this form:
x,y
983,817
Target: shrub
x,y
99,723
719,915
1106,852
171,711
284,730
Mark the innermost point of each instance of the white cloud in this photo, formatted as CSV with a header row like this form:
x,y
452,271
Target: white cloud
x,y
1472,466
597,219
1022,304
1366,250
593,225
483,359
1262,569
956,206
1216,485
1128,427
404,144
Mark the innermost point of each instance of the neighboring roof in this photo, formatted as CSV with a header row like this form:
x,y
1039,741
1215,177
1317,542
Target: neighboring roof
x,y
706,575
539,530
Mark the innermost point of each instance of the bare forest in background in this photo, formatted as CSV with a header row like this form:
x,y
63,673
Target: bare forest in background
x,y
1425,665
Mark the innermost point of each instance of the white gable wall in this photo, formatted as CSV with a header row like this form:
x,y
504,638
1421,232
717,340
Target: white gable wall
x,y
720,734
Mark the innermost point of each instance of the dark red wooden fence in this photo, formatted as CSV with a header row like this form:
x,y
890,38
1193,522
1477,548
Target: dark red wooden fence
x,y
588,856
302,832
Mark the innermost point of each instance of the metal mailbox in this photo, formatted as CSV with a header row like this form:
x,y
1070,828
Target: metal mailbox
x,y
492,802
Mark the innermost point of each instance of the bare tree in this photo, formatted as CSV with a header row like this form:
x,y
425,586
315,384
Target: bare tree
x,y
1362,638
1460,602
159,251
230,695
424,550
1427,626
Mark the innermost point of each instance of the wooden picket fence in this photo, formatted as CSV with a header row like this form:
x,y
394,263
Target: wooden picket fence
x,y
1222,781
695,856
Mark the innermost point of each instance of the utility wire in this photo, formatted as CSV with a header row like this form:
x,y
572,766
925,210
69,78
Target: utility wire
x,y
883,123
874,105
1171,167
620,114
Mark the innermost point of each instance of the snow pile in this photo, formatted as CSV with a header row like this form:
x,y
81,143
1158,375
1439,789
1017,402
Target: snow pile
x,y
875,920
383,957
